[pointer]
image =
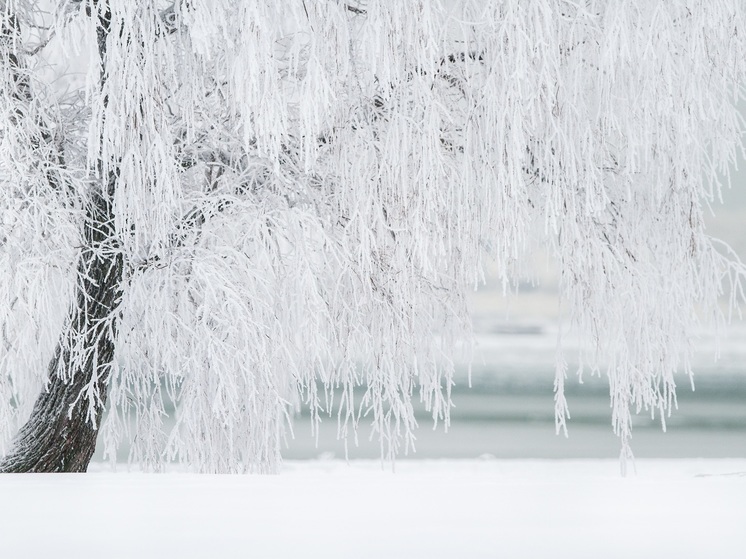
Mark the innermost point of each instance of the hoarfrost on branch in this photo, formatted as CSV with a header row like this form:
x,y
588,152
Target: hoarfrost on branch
x,y
305,190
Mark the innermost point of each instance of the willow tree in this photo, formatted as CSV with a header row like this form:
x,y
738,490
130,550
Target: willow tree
x,y
245,207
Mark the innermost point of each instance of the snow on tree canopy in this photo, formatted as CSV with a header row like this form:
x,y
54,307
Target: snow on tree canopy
x,y
296,197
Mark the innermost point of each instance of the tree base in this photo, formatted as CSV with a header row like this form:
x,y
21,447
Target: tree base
x,y
58,437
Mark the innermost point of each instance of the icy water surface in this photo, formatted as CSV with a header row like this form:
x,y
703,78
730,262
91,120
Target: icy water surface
x,y
509,410
513,422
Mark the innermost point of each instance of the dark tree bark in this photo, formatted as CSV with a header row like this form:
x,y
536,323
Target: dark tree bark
x,y
60,435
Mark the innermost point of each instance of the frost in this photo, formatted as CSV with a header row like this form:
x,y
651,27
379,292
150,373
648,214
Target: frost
x,y
304,192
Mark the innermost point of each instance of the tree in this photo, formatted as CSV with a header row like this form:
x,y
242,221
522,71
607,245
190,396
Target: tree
x,y
244,208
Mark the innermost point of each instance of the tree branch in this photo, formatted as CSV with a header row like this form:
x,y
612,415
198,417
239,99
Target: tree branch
x,y
42,137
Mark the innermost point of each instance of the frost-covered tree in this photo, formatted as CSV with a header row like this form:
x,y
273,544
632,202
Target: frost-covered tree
x,y
245,207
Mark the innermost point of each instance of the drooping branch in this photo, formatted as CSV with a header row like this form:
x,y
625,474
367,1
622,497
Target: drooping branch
x,y
26,114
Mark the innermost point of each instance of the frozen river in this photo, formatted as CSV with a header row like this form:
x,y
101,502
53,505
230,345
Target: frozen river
x,y
509,410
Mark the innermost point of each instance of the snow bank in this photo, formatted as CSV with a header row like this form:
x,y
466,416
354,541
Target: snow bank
x,y
472,509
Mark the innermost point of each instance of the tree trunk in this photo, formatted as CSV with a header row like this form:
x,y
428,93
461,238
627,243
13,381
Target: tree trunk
x,y
60,435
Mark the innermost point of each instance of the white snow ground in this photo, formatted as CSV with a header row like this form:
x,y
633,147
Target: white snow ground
x,y
468,509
